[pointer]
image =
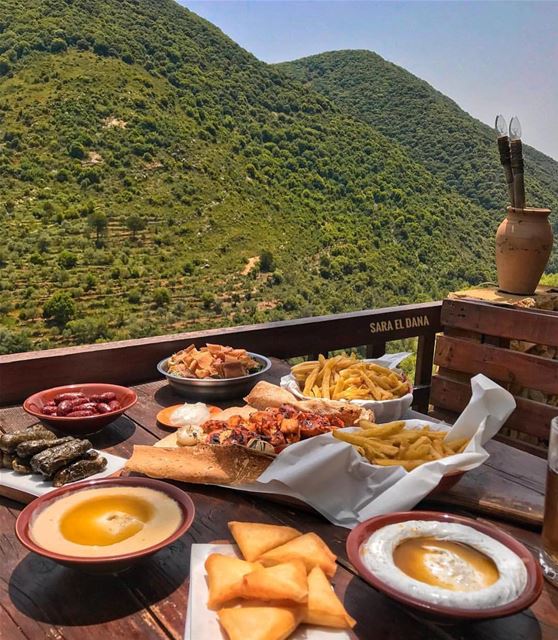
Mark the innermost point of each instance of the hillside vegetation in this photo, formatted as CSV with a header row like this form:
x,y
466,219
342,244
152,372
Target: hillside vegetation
x,y
155,177
435,131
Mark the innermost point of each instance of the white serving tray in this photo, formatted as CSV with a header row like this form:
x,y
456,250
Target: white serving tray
x,y
202,623
24,488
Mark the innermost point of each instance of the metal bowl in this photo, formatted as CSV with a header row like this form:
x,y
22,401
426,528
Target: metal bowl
x,y
215,388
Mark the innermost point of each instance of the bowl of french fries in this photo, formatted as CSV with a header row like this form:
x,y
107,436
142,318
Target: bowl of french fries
x,y
365,382
404,444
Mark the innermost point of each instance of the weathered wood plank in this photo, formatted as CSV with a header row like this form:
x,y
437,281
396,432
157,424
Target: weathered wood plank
x,y
502,365
423,369
529,417
134,361
513,323
376,349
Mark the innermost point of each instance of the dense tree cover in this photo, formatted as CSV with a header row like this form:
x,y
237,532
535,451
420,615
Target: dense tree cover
x,y
119,111
451,144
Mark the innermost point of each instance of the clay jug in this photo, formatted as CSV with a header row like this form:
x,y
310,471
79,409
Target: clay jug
x,y
523,246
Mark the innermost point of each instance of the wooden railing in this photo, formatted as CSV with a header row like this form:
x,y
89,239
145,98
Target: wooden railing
x,y
134,361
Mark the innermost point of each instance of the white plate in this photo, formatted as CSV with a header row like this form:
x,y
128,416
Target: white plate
x,y
203,624
25,487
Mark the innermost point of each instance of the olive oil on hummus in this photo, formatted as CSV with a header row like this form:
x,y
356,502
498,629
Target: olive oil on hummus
x,y
106,522
445,563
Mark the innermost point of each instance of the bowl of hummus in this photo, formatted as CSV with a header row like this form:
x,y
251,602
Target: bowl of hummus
x,y
105,525
447,567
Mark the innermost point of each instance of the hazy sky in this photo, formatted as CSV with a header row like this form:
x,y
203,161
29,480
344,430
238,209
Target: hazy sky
x,y
489,57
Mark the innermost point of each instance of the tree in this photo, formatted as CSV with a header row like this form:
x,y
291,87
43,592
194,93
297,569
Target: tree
x,y
188,268
12,342
60,308
99,222
58,45
267,262
135,223
77,151
4,67
161,296
67,259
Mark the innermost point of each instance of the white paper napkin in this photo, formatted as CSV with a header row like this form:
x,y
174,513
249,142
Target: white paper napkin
x,y
331,476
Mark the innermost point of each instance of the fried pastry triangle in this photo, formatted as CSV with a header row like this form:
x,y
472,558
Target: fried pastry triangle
x,y
309,548
224,577
324,607
255,622
254,538
285,581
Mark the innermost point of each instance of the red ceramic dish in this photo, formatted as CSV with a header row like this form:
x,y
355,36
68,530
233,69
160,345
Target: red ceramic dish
x,y
103,564
447,481
360,534
80,426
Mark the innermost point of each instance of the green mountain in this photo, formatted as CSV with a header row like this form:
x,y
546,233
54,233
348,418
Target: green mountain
x,y
146,161
435,131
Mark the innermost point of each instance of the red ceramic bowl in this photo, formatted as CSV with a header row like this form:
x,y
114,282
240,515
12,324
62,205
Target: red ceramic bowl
x,y
80,426
360,534
447,481
103,564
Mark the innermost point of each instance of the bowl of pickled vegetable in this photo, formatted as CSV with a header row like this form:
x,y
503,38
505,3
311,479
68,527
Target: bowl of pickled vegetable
x,y
80,409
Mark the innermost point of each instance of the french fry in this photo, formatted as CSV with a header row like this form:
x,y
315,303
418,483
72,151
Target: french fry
x,y
390,444
382,430
417,453
408,465
311,380
455,445
345,377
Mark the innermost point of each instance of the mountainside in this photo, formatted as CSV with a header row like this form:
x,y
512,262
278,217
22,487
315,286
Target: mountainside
x,y
146,160
435,131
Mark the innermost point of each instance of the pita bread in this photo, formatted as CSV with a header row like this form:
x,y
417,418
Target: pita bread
x,y
265,395
224,577
309,548
285,581
203,463
234,411
324,607
258,622
254,538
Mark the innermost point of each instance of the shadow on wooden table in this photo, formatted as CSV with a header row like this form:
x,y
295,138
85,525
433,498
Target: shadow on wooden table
x,y
57,595
375,611
114,433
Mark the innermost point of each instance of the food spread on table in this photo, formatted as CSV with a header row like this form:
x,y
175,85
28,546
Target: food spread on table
x,y
38,450
345,377
283,579
106,521
445,563
390,444
77,404
212,361
282,582
227,448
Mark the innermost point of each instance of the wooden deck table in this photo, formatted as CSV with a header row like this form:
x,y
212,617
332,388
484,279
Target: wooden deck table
x,y
40,599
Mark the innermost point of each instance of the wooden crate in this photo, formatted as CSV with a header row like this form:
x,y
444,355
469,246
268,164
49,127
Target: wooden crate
x,y
477,338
